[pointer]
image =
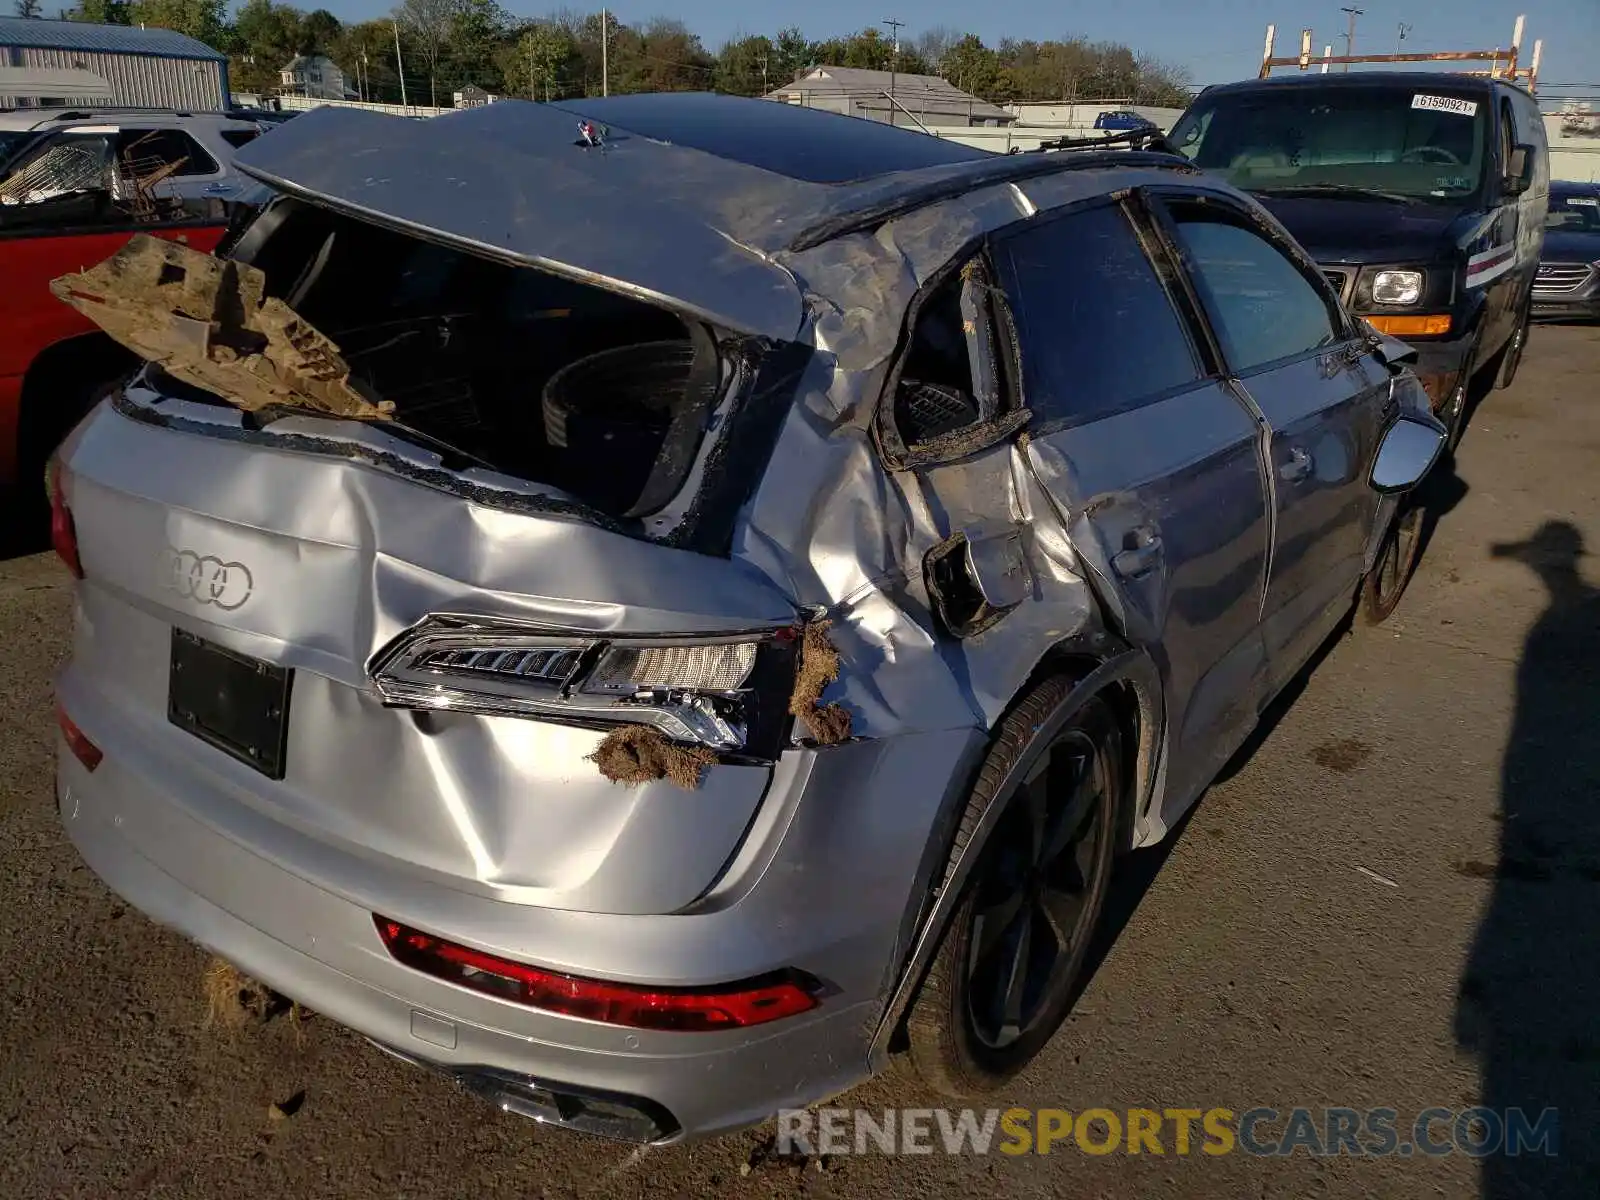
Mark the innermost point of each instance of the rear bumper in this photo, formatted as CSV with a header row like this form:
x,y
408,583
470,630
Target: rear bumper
x,y
702,1085
148,825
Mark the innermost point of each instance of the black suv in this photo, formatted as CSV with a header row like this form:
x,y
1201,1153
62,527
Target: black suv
x,y
1421,195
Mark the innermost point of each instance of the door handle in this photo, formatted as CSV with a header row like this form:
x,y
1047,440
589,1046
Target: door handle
x,y
1138,560
1299,466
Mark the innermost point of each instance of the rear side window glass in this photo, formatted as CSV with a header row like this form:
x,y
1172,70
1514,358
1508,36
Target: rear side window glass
x,y
1261,305
59,166
1098,331
144,151
239,137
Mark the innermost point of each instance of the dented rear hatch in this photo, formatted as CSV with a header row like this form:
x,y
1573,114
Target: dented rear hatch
x,y
519,183
440,515
308,574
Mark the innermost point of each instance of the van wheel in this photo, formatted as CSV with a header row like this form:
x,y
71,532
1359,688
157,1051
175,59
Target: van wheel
x,y
1511,357
1395,564
1454,414
1009,966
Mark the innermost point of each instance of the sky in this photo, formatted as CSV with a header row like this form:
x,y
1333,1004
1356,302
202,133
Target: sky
x,y
1215,40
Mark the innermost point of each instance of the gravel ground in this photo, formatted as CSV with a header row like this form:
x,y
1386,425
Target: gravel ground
x,y
1385,905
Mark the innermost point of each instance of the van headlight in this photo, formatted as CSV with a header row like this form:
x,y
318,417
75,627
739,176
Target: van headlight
x,y
1397,287
728,692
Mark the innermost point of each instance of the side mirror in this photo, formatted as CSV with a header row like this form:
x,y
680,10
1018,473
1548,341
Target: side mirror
x,y
1407,453
1519,169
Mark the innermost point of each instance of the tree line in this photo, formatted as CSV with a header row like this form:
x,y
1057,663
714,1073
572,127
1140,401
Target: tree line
x,y
446,45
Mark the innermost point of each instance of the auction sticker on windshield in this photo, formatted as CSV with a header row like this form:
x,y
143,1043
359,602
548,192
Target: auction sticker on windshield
x,y
1449,104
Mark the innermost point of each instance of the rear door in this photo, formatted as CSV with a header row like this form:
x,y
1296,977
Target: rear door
x,y
1302,363
192,171
1533,205
1153,459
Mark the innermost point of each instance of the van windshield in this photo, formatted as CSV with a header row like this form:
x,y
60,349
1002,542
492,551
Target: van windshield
x,y
1407,145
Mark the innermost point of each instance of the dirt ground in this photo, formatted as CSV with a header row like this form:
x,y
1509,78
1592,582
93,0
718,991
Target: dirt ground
x,y
1388,904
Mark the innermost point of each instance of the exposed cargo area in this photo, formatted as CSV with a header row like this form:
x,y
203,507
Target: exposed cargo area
x,y
547,379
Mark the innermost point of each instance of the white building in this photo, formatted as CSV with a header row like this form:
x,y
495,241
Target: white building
x,y
315,76
55,63
897,98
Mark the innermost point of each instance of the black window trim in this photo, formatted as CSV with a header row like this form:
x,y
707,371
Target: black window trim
x,y
1505,144
1345,329
960,443
1135,209
194,143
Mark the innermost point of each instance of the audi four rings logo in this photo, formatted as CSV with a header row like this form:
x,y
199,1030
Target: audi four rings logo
x,y
206,579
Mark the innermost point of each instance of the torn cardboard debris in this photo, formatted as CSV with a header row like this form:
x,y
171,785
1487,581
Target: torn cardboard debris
x,y
208,322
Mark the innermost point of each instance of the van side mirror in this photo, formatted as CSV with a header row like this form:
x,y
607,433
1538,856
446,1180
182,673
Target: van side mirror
x,y
1407,453
1519,169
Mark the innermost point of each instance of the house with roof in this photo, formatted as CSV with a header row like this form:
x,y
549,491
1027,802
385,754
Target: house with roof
x,y
315,76
892,97
53,63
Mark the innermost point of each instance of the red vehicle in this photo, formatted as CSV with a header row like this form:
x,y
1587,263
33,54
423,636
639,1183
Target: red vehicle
x,y
70,196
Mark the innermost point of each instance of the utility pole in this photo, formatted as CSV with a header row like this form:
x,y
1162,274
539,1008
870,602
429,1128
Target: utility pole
x,y
1350,37
400,65
1400,42
893,26
605,54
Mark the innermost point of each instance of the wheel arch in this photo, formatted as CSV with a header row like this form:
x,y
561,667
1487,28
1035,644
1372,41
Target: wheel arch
x,y
1099,665
88,359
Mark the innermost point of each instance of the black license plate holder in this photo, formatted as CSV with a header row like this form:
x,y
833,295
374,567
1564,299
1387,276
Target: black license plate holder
x,y
235,703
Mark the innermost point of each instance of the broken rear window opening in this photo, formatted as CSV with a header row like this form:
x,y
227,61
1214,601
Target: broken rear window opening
x,y
955,389
556,382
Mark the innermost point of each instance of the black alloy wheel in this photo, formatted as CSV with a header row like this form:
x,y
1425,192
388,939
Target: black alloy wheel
x,y
1010,964
1396,561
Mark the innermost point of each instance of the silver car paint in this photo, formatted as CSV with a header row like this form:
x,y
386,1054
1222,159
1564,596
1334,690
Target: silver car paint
x,y
495,831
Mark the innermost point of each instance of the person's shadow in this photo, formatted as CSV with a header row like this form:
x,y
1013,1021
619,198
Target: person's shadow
x,y
1529,1000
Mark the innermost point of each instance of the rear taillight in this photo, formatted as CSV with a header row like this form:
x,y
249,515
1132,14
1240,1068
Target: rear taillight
x,y
679,1010
730,692
63,533
78,742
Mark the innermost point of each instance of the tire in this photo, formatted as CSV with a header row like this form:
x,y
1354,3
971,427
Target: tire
x,y
1511,357
1396,562
960,1042
1454,412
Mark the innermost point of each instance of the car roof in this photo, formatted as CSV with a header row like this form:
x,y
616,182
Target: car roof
x,y
66,118
1360,79
802,143
669,207
751,167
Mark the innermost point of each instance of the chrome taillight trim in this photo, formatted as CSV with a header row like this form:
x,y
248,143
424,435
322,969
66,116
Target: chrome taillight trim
x,y
491,668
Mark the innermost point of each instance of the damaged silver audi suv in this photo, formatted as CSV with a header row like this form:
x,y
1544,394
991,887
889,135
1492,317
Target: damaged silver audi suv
x,y
659,607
